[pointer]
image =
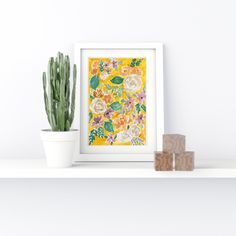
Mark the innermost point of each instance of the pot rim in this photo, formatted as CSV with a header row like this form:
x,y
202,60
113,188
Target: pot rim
x,y
61,136
49,130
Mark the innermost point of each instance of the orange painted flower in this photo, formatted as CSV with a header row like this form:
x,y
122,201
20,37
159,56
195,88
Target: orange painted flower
x,y
98,93
94,71
122,121
125,70
117,123
108,98
95,64
135,71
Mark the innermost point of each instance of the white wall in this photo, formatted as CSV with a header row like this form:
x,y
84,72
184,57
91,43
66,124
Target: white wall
x,y
200,74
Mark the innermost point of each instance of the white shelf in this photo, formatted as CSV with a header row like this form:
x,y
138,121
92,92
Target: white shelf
x,y
36,168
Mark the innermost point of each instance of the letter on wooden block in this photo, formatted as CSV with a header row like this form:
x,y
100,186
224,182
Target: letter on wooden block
x,y
173,143
184,161
163,161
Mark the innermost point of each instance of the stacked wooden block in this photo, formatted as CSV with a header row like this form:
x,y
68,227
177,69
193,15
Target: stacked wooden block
x,y
174,151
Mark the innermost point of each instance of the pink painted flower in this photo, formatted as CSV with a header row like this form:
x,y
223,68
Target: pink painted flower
x,y
114,63
106,65
97,122
108,71
129,102
140,119
110,138
108,113
141,97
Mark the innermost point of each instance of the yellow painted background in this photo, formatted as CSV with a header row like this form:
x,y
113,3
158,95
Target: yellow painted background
x,y
102,86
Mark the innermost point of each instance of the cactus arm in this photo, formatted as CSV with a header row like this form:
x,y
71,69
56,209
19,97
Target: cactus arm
x,y
67,93
53,104
68,66
62,96
73,95
68,125
55,81
51,108
45,95
56,98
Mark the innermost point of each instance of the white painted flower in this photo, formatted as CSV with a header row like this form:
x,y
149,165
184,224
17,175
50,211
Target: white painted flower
x,y
123,137
104,75
98,106
133,83
134,131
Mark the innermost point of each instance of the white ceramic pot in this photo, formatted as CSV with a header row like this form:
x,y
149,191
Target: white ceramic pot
x,y
59,147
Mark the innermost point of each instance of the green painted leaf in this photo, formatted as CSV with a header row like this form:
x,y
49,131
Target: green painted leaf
x,y
137,106
132,64
138,62
116,106
91,139
94,132
94,82
108,126
100,132
117,80
143,107
92,135
90,116
101,67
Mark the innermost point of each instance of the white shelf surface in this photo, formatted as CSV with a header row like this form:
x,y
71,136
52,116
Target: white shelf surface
x,y
36,168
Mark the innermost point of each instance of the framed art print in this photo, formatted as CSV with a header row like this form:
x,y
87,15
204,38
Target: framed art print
x,y
120,101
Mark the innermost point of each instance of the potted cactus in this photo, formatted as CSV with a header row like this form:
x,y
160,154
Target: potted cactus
x,y
59,141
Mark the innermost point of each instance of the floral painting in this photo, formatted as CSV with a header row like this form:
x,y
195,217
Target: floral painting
x,y
117,101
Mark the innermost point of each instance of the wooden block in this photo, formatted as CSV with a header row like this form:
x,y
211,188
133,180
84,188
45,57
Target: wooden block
x,y
184,161
173,143
163,161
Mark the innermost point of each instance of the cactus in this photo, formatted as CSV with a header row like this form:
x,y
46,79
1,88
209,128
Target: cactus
x,y
59,104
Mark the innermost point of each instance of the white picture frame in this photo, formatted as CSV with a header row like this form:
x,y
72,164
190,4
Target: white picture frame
x,y
155,119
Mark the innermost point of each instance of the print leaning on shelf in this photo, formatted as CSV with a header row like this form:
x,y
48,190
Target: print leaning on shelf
x,y
120,115
117,101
